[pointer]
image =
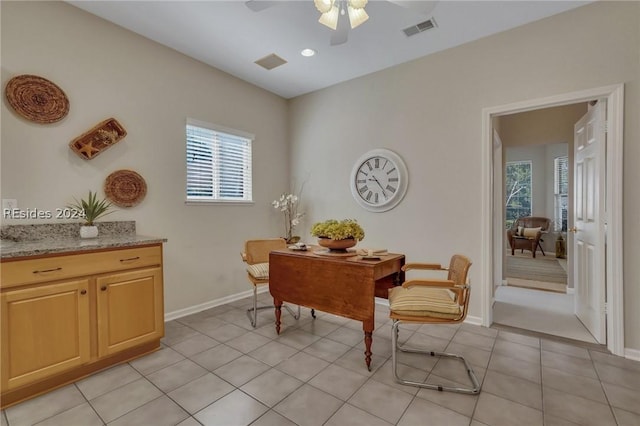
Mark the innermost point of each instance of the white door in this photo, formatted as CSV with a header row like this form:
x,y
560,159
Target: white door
x,y
589,215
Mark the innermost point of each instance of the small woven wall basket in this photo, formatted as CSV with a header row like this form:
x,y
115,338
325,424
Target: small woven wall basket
x,y
125,188
95,141
37,99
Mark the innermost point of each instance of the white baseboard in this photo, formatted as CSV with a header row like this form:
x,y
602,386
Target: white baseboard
x,y
633,354
170,316
473,320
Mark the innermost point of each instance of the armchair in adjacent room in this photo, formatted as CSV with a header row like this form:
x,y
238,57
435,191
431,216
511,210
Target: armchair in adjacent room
x,y
526,234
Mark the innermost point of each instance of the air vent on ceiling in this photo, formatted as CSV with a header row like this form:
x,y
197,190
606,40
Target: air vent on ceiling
x,y
422,26
269,62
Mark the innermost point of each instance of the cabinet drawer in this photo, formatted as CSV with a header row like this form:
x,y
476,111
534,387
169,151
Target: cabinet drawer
x,y
33,271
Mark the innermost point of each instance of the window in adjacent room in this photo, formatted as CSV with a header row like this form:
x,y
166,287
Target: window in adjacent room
x,y
561,192
218,163
517,190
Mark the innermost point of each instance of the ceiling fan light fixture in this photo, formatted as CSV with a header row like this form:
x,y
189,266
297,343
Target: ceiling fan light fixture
x,y
330,18
357,16
323,6
358,4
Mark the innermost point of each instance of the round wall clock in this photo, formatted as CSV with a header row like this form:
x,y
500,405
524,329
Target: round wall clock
x,y
379,180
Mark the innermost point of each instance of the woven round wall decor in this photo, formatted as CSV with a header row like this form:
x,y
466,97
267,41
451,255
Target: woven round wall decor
x,y
125,188
37,99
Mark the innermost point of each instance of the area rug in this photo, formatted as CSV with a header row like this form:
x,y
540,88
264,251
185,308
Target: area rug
x,y
542,274
537,285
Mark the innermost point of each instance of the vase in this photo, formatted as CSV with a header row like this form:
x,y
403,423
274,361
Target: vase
x,y
292,240
337,245
88,231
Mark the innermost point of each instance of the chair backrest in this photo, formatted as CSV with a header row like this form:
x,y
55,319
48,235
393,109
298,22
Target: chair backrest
x,y
458,272
257,251
533,222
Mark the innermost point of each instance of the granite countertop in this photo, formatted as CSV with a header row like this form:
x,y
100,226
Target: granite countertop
x,y
36,240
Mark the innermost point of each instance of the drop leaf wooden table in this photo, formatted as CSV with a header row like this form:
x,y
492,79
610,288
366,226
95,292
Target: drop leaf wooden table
x,y
340,285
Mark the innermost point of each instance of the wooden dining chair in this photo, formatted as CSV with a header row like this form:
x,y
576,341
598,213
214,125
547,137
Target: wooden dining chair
x,y
432,301
256,256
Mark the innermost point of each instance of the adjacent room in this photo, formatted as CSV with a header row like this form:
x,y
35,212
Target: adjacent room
x,y
322,212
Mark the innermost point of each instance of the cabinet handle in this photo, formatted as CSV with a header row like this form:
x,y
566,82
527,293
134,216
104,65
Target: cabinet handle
x,y
83,291
103,288
130,259
47,270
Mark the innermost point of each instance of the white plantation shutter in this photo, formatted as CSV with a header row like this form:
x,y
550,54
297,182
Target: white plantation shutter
x,y
218,163
561,166
561,192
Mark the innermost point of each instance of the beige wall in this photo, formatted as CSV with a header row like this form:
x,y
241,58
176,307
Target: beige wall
x,y
540,127
107,71
430,112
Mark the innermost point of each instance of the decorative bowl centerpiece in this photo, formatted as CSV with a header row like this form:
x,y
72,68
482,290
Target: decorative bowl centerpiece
x,y
338,235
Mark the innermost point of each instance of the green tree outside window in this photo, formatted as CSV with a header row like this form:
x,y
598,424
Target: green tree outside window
x,y
517,191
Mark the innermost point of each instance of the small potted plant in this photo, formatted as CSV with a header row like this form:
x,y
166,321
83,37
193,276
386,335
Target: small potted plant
x,y
338,235
90,210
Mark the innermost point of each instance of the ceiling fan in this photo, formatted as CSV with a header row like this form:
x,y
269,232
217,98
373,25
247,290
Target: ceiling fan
x,y
331,10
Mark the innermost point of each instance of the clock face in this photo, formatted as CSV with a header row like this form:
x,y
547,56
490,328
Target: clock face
x,y
379,180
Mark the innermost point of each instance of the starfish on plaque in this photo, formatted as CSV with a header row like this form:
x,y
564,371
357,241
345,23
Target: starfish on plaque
x,y
88,150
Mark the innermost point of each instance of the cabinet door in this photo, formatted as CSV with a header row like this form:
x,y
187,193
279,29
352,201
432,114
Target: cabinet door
x,y
45,330
130,309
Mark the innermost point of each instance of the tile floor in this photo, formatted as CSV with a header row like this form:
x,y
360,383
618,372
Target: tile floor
x,y
214,369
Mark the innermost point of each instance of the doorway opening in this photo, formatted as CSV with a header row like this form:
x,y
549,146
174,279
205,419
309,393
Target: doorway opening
x,y
494,226
537,168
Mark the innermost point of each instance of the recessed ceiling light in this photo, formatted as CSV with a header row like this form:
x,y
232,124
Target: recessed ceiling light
x,y
308,52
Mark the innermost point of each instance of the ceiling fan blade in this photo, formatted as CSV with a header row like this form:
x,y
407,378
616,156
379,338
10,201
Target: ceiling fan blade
x,y
258,5
421,7
341,34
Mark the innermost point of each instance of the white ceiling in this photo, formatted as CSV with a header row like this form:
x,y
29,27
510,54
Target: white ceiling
x,y
229,36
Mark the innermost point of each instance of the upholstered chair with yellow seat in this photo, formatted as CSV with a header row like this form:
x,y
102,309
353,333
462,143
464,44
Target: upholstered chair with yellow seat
x,y
432,301
256,256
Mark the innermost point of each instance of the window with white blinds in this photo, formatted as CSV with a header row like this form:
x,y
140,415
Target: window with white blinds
x,y
218,163
561,192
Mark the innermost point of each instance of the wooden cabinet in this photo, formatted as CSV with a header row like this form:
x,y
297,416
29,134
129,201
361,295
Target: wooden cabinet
x,y
129,309
45,330
66,316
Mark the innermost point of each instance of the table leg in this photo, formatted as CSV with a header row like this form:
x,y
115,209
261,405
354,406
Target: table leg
x,y
368,339
367,352
278,306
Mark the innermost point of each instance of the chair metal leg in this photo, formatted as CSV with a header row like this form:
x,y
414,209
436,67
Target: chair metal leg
x,y
252,313
394,361
294,315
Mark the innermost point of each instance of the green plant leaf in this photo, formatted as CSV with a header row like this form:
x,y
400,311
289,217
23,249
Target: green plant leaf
x,y
91,208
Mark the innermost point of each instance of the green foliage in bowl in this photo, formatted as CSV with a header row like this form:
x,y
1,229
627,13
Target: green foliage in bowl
x,y
338,230
92,208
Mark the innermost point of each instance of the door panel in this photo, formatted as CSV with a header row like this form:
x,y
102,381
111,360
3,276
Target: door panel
x,y
588,240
